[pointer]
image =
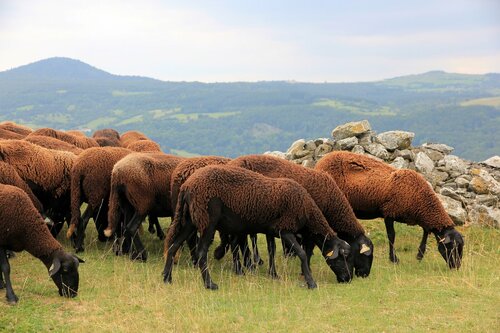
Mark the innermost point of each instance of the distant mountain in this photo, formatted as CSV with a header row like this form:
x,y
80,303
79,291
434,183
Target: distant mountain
x,y
237,118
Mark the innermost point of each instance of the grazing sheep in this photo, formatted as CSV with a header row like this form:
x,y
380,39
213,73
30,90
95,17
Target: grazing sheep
x,y
131,136
9,176
9,135
53,143
329,198
91,183
82,142
140,186
13,127
106,133
375,189
238,201
144,146
47,172
107,142
22,228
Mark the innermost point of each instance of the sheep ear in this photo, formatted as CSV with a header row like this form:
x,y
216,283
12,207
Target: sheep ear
x,y
365,249
445,240
333,254
54,268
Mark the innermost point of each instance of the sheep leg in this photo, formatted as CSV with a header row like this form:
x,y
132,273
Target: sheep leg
x,y
422,246
391,235
138,251
220,251
155,224
245,251
185,233
235,248
256,256
203,244
80,230
271,249
290,239
5,269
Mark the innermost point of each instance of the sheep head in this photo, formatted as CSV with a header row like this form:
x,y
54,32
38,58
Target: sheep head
x,y
64,273
337,254
362,251
450,245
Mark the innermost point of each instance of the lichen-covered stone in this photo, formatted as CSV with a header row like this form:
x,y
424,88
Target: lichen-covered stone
x,y
393,140
423,163
454,209
493,161
347,143
445,149
484,216
351,129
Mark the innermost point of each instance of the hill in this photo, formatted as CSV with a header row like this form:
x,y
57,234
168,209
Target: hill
x,y
237,118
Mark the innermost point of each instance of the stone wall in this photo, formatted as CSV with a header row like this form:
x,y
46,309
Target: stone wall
x,y
469,191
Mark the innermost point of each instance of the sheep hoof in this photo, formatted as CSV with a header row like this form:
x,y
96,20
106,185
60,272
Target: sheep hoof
x,y
151,229
139,256
394,260
212,286
13,300
219,252
312,285
260,262
420,256
161,236
239,272
274,276
167,279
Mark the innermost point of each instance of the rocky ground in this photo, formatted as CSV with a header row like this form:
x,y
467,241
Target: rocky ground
x,y
469,191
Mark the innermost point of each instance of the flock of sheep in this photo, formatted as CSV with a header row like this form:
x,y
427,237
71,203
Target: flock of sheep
x,y
46,175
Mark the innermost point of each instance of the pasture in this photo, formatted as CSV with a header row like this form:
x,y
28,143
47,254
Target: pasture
x,y
117,294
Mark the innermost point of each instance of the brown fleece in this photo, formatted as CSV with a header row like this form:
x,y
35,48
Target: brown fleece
x,y
131,136
145,180
13,127
375,189
79,141
144,146
49,169
91,177
76,133
106,133
21,225
107,142
187,168
274,203
9,176
53,143
9,135
322,188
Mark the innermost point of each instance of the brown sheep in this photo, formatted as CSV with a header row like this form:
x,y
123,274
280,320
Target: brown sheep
x,y
53,143
22,228
329,198
47,172
375,189
9,176
106,133
239,201
107,142
76,133
9,135
131,136
79,141
140,186
144,146
17,128
91,182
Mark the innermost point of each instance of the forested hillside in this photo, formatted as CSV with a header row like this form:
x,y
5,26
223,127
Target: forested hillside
x,y
231,119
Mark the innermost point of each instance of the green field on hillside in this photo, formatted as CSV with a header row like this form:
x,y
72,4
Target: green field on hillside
x,y
117,295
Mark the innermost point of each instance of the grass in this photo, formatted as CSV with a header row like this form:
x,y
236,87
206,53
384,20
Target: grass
x,y
119,295
355,108
487,101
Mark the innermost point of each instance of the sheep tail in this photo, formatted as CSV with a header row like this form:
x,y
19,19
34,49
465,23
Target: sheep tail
x,y
76,193
117,192
180,212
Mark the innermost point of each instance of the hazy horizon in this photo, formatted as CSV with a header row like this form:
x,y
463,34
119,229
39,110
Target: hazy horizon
x,y
222,41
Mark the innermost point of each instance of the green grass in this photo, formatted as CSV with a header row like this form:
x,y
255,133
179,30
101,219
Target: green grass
x,y
25,108
100,122
123,93
355,108
132,120
487,101
122,296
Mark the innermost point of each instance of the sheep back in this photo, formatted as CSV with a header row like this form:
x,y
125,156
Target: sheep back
x,y
9,176
53,143
131,136
82,142
17,128
144,146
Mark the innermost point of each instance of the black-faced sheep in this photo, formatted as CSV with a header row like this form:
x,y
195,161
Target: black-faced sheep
x,y
131,136
91,183
47,172
53,143
140,186
22,228
144,146
238,201
17,128
329,198
82,142
375,189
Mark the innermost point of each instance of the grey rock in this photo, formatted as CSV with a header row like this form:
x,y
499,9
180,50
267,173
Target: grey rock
x,y
358,149
487,200
351,129
400,163
365,138
348,143
423,163
376,149
450,193
434,154
322,150
493,162
484,216
442,148
310,145
296,148
455,163
454,209
405,153
482,182
393,140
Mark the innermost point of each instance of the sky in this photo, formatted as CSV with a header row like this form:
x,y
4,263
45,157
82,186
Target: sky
x,y
221,41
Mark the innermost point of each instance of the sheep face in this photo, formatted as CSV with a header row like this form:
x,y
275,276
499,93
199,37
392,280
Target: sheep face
x,y
450,245
362,251
339,259
64,273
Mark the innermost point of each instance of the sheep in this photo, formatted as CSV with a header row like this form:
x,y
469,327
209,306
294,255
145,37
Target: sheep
x,y
106,133
53,143
47,172
375,189
91,182
17,128
140,186
79,141
240,201
329,198
22,228
131,136
107,142
9,176
9,135
144,146
76,133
